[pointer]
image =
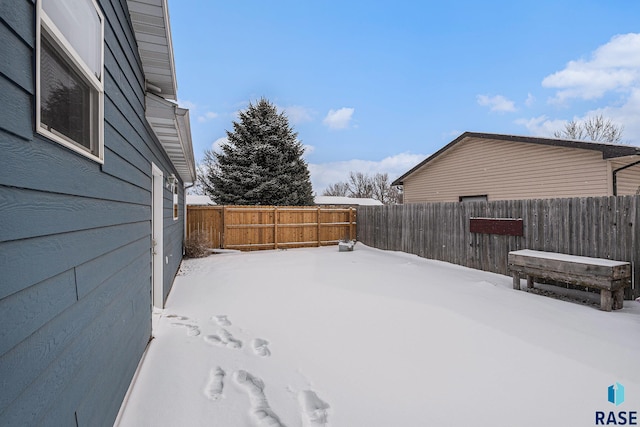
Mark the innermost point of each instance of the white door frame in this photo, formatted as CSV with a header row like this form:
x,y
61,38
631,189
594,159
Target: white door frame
x,y
157,226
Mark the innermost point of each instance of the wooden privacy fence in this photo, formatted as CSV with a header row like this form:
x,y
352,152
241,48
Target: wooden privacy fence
x,y
599,227
270,227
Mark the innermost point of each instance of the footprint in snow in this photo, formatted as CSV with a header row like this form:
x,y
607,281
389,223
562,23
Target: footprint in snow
x,y
314,409
260,347
223,337
221,320
214,387
175,316
260,408
192,330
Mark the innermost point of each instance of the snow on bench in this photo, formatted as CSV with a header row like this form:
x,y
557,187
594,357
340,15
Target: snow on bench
x,y
611,277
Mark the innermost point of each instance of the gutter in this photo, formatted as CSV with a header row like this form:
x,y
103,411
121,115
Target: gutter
x,y
615,175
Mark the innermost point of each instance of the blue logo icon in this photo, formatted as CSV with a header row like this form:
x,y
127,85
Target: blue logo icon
x,y
616,394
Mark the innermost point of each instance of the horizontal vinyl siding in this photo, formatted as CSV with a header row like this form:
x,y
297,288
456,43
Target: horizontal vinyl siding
x,y
17,50
49,213
508,170
43,165
23,313
27,262
75,239
16,81
45,368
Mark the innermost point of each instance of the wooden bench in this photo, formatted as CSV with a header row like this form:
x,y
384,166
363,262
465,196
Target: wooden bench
x,y
611,277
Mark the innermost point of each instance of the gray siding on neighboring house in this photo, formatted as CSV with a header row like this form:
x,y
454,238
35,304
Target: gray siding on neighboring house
x,y
75,239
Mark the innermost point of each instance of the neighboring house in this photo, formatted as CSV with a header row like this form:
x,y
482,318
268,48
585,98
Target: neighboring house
x,y
480,166
345,201
94,163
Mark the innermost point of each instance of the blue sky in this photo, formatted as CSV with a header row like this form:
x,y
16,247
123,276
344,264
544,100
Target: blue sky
x,y
378,86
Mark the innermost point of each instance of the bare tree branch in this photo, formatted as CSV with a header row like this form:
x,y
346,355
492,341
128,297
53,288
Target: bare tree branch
x,y
362,185
337,189
596,129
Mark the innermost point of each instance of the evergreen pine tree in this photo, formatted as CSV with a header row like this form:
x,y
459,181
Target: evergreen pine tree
x,y
262,162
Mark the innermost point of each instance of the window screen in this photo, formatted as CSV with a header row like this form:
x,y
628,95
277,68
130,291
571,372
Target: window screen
x,y
65,99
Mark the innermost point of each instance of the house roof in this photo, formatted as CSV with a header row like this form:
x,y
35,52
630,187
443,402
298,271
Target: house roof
x,y
608,150
199,200
170,123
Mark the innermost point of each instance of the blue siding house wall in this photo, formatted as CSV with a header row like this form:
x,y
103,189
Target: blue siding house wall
x,y
76,239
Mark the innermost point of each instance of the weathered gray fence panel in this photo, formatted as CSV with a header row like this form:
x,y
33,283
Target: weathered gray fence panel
x,y
601,227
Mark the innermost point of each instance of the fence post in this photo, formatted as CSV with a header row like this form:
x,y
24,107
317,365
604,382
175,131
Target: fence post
x,y
318,225
351,215
224,227
275,227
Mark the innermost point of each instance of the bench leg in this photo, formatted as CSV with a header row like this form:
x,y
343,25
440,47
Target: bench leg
x,y
618,299
529,281
516,281
606,300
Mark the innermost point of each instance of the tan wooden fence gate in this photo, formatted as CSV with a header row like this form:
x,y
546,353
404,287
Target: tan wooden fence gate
x,y
271,227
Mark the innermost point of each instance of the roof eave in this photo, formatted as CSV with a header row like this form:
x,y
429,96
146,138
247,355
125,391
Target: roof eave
x,y
152,28
171,125
400,180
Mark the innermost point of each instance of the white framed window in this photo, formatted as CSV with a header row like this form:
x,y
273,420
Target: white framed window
x,y
174,190
479,198
70,75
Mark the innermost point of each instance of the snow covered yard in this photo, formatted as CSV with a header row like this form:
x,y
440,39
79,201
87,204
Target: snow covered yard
x,y
313,337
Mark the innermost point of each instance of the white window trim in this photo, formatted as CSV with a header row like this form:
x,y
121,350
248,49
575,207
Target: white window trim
x,y
176,206
98,84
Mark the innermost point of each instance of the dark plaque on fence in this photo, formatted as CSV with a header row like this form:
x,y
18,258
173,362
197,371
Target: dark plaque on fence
x,y
502,226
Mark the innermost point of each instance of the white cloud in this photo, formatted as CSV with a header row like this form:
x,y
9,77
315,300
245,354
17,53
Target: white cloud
x,y
325,174
218,143
209,115
542,125
452,134
614,66
338,119
496,103
191,106
308,149
298,114
530,100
